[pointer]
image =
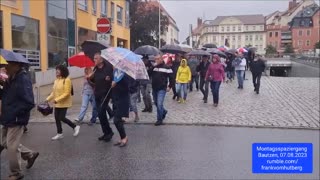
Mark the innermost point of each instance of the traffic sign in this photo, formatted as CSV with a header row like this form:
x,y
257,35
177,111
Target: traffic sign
x,y
104,37
103,25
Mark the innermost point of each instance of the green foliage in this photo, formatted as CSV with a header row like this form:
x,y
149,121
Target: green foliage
x,y
289,49
270,50
144,24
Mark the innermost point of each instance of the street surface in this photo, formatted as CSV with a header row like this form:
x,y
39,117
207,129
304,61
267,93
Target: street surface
x,y
165,152
283,102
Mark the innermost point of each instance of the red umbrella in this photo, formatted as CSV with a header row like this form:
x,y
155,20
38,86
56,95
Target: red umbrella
x,y
80,60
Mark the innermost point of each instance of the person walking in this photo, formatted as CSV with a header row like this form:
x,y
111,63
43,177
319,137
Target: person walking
x,y
17,101
183,78
62,99
87,96
215,75
102,79
121,100
160,76
133,93
257,67
229,68
175,66
202,70
193,62
145,86
240,66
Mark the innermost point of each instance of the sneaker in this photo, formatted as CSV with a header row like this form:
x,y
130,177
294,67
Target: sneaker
x,y
77,120
205,101
58,136
76,131
32,160
158,123
180,100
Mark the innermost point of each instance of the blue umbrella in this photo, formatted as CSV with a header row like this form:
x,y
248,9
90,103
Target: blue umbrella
x,y
10,56
126,61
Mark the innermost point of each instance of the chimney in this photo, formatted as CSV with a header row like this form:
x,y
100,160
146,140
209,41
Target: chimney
x,y
290,5
199,22
294,3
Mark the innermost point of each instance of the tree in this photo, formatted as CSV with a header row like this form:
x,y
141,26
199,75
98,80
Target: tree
x,y
289,49
144,24
317,45
270,50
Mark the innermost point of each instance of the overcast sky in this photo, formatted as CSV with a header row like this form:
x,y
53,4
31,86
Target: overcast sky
x,y
186,12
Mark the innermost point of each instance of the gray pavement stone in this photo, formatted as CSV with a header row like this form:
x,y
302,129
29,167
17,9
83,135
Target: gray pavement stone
x,y
283,102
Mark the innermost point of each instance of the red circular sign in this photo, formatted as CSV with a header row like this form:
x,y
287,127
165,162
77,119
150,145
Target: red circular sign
x,y
103,25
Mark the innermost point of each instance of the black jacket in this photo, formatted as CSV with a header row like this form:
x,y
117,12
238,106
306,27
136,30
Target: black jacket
x,y
203,68
133,85
17,100
99,79
121,98
257,66
175,67
160,76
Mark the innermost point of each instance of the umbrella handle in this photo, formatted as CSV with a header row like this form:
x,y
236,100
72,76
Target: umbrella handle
x,y
104,99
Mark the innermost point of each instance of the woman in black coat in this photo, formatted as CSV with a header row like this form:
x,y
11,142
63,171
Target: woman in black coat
x,y
121,100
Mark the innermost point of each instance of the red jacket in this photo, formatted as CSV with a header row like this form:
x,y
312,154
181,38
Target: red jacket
x,y
215,72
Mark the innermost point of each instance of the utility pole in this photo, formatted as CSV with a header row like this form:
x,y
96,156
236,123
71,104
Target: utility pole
x,y
159,25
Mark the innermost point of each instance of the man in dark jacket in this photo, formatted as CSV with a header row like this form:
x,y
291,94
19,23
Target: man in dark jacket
x,y
175,67
257,67
160,76
202,69
102,78
17,102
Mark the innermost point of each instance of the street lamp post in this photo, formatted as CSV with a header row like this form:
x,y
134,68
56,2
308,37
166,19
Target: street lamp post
x,y
159,25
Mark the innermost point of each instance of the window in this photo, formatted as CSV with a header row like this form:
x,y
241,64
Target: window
x,y
270,34
254,28
247,37
1,41
233,28
247,28
83,4
250,37
308,42
216,29
276,34
261,28
112,12
94,7
222,29
261,37
308,32
233,38
57,26
257,37
119,15
228,28
300,32
127,15
239,37
214,38
239,28
25,38
300,43
104,5
71,6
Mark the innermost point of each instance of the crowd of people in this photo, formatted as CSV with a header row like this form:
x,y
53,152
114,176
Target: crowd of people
x,y
100,88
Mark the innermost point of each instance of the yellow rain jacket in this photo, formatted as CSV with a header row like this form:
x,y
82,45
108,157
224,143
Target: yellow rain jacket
x,y
184,73
61,93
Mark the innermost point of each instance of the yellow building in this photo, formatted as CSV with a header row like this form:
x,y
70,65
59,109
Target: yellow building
x,y
47,32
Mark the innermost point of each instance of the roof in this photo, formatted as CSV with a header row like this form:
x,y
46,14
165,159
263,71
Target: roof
x,y
303,17
270,15
308,11
245,19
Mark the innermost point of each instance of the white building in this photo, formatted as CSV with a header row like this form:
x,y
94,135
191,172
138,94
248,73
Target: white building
x,y
239,31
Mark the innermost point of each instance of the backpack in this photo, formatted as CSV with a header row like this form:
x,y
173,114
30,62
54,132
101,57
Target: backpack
x,y
71,87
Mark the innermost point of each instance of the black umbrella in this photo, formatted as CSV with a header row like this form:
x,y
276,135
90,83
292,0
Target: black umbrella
x,y
231,51
147,50
90,47
218,52
172,49
198,52
209,46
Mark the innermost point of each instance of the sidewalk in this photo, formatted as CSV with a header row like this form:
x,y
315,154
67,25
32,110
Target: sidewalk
x,y
283,102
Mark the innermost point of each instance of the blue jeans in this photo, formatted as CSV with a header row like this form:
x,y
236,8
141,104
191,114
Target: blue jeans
x,y
240,74
229,75
215,86
158,98
133,102
86,98
182,89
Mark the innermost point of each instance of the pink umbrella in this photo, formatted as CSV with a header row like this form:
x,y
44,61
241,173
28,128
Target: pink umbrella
x,y
242,50
167,56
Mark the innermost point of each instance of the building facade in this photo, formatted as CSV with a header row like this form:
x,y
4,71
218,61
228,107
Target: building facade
x,y
277,24
238,31
47,32
305,28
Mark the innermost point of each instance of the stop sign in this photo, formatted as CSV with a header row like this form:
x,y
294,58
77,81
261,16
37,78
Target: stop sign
x,y
103,25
